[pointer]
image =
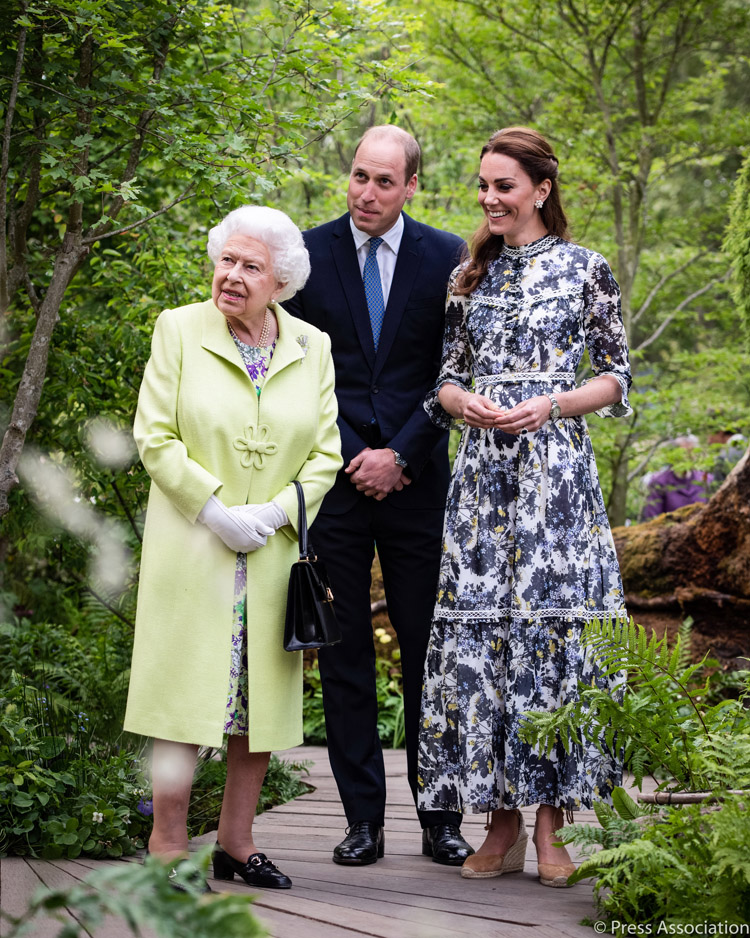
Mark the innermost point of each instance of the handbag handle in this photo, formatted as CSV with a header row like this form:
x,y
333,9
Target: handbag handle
x,y
305,548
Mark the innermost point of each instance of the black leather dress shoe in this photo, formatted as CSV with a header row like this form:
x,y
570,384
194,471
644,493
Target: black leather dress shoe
x,y
256,871
444,843
364,843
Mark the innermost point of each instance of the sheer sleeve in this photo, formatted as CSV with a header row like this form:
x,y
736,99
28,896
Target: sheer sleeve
x,y
605,333
456,363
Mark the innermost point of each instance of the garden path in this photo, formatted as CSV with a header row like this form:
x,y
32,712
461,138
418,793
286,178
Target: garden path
x,y
404,895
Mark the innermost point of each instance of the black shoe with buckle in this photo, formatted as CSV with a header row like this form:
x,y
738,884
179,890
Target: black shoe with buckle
x,y
364,843
444,843
256,871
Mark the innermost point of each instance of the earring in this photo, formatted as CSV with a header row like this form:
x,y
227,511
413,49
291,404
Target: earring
x,y
539,203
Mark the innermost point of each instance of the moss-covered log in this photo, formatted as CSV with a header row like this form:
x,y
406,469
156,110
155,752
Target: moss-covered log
x,y
695,562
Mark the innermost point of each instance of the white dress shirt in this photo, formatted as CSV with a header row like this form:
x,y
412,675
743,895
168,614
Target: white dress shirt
x,y
387,252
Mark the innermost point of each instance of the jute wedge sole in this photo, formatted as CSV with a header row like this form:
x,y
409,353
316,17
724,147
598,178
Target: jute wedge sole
x,y
555,874
487,865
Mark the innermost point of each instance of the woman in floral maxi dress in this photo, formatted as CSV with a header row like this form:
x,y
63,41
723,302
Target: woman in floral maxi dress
x,y
528,556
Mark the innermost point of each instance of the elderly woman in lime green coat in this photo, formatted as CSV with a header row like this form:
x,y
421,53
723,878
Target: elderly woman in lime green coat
x,y
237,401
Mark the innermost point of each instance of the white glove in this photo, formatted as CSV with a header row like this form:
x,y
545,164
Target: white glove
x,y
242,533
270,513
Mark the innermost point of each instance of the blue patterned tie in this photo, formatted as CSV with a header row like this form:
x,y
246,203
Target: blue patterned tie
x,y
374,289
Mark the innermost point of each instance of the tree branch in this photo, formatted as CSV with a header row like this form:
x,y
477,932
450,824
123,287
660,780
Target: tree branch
x,y
678,309
4,167
90,238
107,605
128,513
664,280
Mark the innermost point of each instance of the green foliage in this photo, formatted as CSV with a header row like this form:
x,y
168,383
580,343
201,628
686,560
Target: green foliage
x,y
390,704
71,783
662,866
63,793
143,898
737,244
700,390
659,718
81,671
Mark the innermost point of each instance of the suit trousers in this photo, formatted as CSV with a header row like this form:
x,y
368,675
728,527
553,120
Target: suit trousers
x,y
408,544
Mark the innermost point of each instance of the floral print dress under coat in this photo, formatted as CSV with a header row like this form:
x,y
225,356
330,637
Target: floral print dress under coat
x,y
528,555
256,361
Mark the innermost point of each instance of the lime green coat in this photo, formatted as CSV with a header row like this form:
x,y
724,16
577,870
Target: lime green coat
x,y
201,430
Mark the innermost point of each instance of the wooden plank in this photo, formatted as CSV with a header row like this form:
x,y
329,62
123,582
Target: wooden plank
x,y
282,924
18,883
463,919
386,922
517,898
405,895
61,874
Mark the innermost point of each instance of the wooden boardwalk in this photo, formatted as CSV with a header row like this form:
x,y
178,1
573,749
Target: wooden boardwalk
x,y
405,895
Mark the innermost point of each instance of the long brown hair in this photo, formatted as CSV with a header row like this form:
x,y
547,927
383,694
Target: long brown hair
x,y
535,156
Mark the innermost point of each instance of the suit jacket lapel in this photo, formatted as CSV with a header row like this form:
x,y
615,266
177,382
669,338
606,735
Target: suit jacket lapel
x,y
345,258
216,338
408,261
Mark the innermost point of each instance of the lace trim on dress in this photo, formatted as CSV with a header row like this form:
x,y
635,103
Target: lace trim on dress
x,y
483,381
529,250
487,615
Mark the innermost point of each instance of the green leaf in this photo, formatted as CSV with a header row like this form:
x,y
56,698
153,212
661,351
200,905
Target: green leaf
x,y
67,838
624,804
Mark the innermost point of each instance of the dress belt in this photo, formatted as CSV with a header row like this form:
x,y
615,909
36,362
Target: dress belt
x,y
550,377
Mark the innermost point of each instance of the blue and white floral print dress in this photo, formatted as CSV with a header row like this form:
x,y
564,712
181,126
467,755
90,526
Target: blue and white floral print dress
x,y
257,361
528,555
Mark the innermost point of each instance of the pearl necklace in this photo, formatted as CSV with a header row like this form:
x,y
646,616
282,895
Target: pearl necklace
x,y
263,340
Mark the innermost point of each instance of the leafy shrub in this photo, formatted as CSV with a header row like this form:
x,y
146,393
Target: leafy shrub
x,y
82,669
62,794
661,866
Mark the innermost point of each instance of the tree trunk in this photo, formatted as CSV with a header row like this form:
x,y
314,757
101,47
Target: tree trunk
x,y
29,391
695,562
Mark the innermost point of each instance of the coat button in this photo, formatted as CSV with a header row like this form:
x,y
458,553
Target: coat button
x,y
376,389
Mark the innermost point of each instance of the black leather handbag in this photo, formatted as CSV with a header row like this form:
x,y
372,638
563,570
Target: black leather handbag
x,y
310,619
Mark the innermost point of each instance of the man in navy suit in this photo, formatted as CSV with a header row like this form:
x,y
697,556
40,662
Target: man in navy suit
x,y
378,288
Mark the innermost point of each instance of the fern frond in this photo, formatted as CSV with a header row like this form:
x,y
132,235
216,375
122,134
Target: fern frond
x,y
684,643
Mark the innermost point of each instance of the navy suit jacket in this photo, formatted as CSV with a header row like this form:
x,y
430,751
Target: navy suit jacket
x,y
380,395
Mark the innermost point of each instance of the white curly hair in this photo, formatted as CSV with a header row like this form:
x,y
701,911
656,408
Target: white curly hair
x,y
291,262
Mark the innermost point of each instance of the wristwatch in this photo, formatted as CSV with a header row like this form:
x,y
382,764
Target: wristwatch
x,y
400,461
554,411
